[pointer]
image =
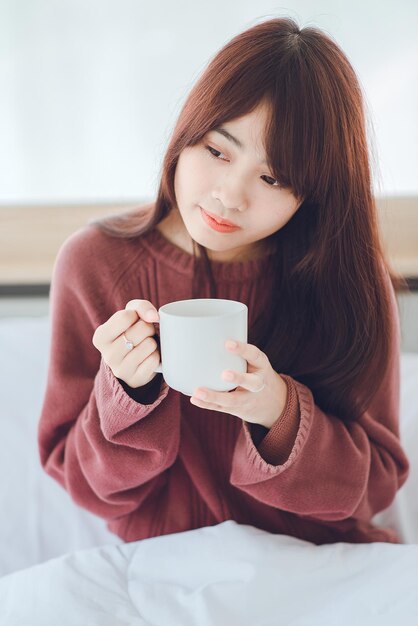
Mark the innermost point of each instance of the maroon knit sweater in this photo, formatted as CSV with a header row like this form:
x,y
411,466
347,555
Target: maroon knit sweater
x,y
151,463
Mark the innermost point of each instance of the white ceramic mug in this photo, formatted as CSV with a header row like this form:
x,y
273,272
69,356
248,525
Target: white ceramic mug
x,y
192,342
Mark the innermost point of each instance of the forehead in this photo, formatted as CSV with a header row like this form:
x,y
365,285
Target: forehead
x,y
252,123
246,132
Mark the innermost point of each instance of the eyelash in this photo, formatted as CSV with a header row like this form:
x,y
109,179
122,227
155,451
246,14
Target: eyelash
x,y
209,149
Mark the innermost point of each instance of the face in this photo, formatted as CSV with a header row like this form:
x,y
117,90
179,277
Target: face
x,y
231,182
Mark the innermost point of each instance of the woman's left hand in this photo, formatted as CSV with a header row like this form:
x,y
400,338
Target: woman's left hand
x,y
260,395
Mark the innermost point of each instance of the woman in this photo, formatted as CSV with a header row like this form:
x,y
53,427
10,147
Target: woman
x,y
271,139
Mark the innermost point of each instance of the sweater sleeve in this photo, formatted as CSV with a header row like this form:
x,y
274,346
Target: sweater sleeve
x,y
108,449
324,468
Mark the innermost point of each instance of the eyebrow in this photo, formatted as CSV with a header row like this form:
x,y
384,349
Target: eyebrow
x,y
222,131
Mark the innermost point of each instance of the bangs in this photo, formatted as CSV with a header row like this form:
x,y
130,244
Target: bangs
x,y
294,136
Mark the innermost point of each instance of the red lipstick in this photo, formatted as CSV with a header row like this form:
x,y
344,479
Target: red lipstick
x,y
217,223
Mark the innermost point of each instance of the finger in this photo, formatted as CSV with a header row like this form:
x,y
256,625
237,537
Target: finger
x,y
116,324
253,355
208,405
145,310
250,382
221,399
137,333
132,359
146,368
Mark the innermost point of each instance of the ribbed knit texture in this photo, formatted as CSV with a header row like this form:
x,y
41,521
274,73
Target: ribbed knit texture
x,y
150,462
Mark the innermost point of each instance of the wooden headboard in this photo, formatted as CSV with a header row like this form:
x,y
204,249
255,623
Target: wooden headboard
x,y
30,236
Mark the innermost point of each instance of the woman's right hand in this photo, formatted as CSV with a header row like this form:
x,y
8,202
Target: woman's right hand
x,y
136,367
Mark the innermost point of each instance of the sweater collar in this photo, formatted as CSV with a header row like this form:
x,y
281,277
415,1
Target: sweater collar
x,y
172,255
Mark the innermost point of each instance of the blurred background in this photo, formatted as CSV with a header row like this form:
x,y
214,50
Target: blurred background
x,y
90,91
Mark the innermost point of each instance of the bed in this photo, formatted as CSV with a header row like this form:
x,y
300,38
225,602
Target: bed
x,y
60,565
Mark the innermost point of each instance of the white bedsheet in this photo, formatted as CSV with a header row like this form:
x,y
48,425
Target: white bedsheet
x,y
228,575
38,520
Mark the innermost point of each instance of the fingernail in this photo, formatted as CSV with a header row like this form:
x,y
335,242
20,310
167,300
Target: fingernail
x,y
231,344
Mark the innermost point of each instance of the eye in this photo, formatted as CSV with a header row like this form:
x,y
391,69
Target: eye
x,y
212,151
215,154
275,182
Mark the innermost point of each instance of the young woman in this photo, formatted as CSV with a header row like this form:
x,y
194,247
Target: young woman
x,y
265,197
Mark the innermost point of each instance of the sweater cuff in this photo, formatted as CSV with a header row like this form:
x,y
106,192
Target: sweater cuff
x,y
116,408
147,394
277,444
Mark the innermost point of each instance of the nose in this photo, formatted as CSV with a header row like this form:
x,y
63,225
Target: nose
x,y
230,192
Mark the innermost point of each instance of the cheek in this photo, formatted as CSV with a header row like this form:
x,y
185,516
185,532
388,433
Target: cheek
x,y
285,209
190,175
271,220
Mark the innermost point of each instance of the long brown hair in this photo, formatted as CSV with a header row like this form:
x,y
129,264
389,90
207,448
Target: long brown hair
x,y
329,267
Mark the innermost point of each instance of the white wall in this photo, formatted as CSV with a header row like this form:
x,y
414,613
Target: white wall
x,y
90,89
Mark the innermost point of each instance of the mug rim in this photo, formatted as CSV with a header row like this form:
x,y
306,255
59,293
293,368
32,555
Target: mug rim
x,y
240,306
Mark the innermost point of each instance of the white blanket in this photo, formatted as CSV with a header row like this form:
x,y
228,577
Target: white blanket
x,y
222,575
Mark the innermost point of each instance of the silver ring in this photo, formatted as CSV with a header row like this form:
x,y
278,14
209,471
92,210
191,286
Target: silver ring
x,y
129,345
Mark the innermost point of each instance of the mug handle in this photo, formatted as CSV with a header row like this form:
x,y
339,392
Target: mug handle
x,y
158,369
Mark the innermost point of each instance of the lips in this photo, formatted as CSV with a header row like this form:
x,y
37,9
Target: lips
x,y
214,225
220,220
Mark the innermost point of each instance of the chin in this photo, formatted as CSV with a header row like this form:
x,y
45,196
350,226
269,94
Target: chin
x,y
205,240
